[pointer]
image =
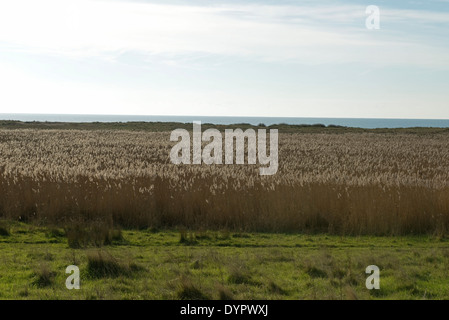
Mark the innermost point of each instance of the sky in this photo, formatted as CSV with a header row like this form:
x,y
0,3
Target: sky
x,y
225,58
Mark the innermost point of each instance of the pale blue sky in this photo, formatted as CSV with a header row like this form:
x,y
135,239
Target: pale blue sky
x,y
230,58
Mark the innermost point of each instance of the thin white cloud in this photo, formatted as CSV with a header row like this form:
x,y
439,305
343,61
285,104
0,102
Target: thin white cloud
x,y
416,16
87,27
304,34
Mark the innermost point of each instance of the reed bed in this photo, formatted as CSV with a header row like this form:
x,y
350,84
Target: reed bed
x,y
350,183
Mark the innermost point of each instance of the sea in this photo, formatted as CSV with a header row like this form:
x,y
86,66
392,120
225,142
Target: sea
x,y
366,123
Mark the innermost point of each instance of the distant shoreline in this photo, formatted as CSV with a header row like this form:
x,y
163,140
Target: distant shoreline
x,y
363,123
170,126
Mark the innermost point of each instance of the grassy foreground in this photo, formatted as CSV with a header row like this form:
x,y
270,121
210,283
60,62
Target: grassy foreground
x,y
151,264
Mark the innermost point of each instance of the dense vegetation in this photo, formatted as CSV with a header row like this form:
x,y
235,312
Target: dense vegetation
x,y
347,183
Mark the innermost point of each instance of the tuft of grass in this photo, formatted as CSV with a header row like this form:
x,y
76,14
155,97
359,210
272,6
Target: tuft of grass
x,y
116,235
350,293
24,293
276,289
197,264
225,294
187,238
44,276
202,235
54,232
239,274
188,291
225,235
96,234
241,235
76,237
4,230
101,264
48,256
315,272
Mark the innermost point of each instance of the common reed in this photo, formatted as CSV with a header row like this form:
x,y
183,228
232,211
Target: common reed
x,y
351,183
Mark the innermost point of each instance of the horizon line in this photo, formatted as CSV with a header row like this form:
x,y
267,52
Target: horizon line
x,y
215,116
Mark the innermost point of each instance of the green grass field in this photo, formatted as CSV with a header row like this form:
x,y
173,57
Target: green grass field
x,y
152,264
